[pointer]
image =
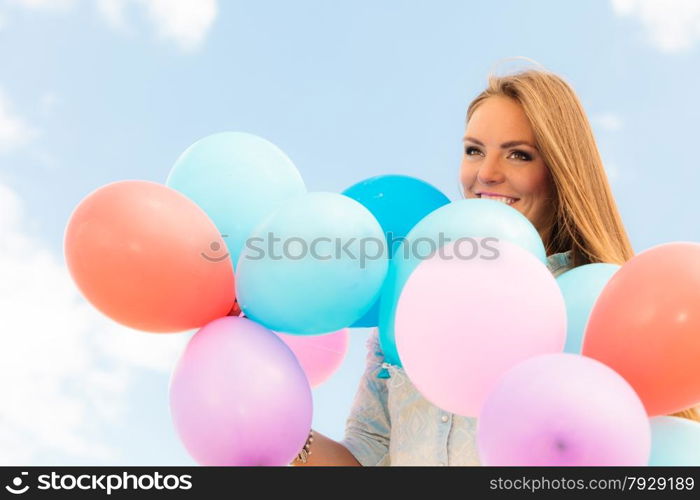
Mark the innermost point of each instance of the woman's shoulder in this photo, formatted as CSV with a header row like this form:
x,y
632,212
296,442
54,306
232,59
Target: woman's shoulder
x,y
372,344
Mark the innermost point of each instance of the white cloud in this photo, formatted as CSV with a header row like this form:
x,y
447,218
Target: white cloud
x,y
65,369
183,22
113,12
45,4
672,25
610,122
15,132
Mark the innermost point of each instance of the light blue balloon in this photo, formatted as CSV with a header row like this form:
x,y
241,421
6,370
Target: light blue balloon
x,y
398,202
675,441
237,179
313,266
470,218
581,287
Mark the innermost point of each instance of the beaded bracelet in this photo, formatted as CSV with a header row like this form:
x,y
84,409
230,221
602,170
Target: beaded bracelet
x,y
303,455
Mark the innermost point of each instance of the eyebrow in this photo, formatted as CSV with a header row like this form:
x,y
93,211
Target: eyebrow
x,y
505,145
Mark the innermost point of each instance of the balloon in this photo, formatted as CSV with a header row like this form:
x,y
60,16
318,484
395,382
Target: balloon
x,y
581,287
563,410
674,442
370,318
239,397
645,326
319,355
315,265
398,202
463,218
461,323
149,258
238,179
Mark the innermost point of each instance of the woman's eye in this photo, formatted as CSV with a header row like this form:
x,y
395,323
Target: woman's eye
x,y
520,155
471,151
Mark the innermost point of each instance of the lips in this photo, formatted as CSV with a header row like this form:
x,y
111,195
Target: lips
x,y
508,200
480,193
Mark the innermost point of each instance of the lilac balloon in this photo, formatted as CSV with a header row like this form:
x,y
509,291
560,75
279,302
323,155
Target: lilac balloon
x,y
239,397
563,409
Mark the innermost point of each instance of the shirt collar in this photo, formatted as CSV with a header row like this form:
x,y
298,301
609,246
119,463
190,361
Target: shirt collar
x,y
558,261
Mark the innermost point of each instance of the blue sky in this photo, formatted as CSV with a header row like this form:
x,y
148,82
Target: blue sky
x,y
94,92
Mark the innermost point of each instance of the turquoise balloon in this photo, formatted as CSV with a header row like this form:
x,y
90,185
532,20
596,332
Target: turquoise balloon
x,y
581,287
398,202
313,266
675,441
237,179
470,218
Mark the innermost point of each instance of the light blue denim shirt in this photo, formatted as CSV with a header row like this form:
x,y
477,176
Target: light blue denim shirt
x,y
391,423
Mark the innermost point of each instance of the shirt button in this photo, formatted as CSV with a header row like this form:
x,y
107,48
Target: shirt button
x,y
444,418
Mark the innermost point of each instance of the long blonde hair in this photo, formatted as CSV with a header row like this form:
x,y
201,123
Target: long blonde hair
x,y
585,218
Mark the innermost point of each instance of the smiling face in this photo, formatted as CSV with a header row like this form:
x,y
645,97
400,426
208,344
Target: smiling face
x,y
501,161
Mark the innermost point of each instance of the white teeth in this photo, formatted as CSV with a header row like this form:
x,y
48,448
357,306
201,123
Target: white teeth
x,y
503,199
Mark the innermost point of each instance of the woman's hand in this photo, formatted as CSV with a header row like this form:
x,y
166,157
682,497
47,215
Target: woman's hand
x,y
326,452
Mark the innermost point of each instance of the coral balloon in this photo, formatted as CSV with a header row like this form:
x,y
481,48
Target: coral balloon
x,y
563,409
645,326
319,355
461,322
239,397
149,258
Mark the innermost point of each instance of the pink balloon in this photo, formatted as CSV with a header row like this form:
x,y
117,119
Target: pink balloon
x,y
461,323
239,397
319,355
563,409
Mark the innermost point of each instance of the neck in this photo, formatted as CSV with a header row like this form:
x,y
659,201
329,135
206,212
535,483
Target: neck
x,y
545,235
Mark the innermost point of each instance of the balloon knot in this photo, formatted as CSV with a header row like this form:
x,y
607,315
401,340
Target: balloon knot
x,y
384,372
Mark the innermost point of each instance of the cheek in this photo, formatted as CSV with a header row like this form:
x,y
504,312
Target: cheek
x,y
466,174
536,184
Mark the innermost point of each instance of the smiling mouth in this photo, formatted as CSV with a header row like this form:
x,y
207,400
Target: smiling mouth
x,y
213,259
503,199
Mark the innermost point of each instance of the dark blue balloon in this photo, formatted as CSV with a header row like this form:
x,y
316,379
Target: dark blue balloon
x,y
398,202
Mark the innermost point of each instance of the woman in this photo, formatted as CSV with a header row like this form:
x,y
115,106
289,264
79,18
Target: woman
x,y
528,143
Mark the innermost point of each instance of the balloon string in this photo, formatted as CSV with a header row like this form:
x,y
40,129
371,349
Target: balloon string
x,y
393,372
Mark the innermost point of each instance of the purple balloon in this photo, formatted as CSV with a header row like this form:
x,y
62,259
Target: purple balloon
x,y
238,396
563,409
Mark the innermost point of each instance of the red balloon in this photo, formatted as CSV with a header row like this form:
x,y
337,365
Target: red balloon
x,y
646,326
149,258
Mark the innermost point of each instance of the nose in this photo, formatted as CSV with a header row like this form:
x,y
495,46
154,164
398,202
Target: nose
x,y
490,171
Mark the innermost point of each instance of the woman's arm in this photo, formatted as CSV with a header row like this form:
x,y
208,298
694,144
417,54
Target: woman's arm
x,y
325,451
368,426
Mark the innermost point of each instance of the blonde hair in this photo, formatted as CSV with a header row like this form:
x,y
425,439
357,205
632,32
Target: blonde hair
x,y
585,218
